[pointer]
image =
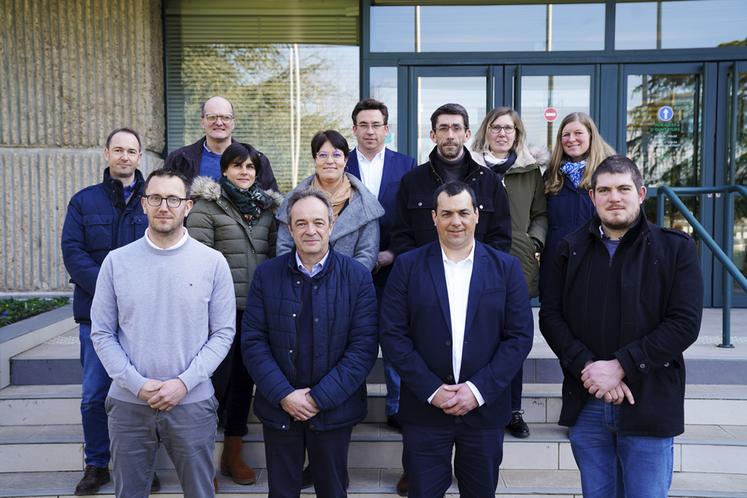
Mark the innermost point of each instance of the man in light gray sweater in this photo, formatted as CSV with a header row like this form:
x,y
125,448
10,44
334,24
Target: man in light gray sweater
x,y
163,318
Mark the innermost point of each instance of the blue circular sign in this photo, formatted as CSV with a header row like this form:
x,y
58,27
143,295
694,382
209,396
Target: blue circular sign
x,y
665,113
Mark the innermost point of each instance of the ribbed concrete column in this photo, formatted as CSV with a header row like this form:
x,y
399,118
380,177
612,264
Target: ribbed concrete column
x,y
70,72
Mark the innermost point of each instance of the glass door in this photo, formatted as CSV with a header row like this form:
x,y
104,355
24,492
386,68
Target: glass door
x,y
546,94
740,203
434,86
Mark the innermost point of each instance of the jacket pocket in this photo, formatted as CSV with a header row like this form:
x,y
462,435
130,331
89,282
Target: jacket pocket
x,y
98,231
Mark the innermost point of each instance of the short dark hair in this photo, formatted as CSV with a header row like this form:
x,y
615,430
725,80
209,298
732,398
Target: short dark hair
x,y
618,165
202,106
303,193
332,136
452,189
238,153
370,105
450,109
124,129
167,173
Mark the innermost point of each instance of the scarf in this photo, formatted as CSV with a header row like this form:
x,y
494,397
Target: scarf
x,y
341,195
500,166
250,202
574,171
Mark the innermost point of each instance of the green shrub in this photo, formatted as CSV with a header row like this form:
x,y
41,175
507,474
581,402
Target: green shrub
x,y
14,310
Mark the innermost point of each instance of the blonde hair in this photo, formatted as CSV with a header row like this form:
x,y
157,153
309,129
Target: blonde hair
x,y
598,151
480,143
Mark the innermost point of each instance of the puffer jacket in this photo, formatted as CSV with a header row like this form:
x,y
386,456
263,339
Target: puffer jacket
x,y
217,223
526,197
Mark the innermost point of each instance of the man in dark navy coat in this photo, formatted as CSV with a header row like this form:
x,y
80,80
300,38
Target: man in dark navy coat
x,y
456,324
380,169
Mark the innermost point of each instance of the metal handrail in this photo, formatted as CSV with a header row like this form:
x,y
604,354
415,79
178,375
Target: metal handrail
x,y
730,270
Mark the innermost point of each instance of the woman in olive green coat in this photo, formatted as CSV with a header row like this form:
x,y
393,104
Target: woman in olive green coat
x,y
235,217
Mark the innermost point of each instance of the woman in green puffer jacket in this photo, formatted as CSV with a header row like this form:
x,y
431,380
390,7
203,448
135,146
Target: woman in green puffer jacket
x,y
235,217
500,144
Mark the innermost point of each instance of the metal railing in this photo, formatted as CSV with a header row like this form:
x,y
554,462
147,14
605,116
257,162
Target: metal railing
x,y
730,270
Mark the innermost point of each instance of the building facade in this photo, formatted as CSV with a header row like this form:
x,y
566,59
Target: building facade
x,y
665,80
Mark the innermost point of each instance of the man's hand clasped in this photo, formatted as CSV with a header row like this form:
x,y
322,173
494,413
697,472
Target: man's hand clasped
x,y
300,405
163,395
455,399
604,380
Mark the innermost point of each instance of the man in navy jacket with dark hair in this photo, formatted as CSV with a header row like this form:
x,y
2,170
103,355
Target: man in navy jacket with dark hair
x,y
456,324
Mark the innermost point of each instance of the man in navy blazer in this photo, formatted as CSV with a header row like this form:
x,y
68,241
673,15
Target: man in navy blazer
x,y
456,323
380,169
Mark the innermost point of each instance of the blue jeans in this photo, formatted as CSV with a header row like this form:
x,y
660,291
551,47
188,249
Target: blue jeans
x,y
391,377
95,387
617,466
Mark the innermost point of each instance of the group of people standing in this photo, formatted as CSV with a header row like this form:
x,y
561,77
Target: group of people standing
x,y
202,282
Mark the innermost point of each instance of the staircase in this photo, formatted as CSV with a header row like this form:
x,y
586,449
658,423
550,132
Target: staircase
x,y
41,440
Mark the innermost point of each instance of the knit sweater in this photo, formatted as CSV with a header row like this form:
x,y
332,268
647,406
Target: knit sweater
x,y
163,314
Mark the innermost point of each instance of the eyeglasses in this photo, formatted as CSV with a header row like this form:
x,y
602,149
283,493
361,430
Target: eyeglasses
x,y
336,155
212,118
371,126
119,151
457,128
172,201
508,129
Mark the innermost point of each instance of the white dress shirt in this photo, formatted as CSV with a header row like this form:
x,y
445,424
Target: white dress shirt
x,y
458,277
371,171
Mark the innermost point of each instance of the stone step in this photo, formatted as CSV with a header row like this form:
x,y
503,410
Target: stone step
x,y
380,483
60,404
702,448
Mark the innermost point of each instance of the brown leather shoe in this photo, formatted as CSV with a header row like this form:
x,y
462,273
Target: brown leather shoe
x,y
403,485
232,465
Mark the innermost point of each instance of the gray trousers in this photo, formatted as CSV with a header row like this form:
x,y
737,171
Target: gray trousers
x,y
187,432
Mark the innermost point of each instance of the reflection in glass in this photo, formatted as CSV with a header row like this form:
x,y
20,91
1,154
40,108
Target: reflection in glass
x,y
383,87
282,94
680,24
488,28
662,136
740,203
393,29
433,92
662,133
565,93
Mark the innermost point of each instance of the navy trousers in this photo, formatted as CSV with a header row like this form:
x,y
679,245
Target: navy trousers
x,y
286,450
427,451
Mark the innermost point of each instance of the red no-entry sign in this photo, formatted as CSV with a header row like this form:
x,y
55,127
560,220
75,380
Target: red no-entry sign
x,y
551,114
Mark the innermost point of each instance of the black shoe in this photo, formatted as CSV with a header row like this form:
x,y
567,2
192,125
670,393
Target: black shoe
x,y
307,480
403,485
93,479
517,427
155,484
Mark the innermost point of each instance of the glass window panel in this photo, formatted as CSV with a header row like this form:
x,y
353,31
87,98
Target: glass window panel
x,y
565,93
383,87
392,29
681,24
577,27
740,203
282,94
483,28
433,92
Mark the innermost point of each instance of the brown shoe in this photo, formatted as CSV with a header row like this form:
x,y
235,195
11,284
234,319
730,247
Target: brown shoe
x,y
232,465
403,485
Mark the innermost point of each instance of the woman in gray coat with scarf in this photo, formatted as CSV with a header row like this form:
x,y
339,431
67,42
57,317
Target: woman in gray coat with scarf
x,y
235,217
356,231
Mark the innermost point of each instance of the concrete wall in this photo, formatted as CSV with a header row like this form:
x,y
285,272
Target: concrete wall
x,y
70,72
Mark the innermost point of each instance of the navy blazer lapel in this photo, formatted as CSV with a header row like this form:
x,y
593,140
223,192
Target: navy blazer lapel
x,y
352,165
476,285
436,268
387,173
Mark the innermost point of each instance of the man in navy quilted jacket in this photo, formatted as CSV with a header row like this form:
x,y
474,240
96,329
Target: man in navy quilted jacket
x,y
100,218
309,339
